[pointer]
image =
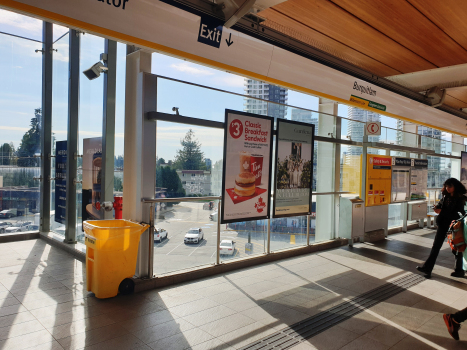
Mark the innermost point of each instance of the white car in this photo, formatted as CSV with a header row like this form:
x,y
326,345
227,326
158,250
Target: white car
x,y
160,234
4,225
194,235
227,247
213,216
18,227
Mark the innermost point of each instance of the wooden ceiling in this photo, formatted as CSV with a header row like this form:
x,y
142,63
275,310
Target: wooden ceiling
x,y
384,37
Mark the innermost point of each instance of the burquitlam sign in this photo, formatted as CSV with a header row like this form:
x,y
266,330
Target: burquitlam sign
x,y
364,89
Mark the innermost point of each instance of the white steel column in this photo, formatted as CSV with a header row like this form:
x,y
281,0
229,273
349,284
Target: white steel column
x,y
139,151
457,148
325,172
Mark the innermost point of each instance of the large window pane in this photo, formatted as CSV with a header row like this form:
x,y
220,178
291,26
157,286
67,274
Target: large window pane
x,y
20,128
91,95
59,115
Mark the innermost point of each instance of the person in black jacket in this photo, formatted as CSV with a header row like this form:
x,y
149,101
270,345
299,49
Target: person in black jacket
x,y
448,209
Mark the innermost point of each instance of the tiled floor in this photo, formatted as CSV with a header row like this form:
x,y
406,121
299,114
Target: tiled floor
x,y
44,304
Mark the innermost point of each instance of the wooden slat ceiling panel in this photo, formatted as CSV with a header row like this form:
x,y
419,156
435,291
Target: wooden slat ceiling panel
x,y
338,24
449,15
456,97
329,45
406,25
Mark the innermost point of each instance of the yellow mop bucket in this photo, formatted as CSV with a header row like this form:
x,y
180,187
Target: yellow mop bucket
x,y
111,253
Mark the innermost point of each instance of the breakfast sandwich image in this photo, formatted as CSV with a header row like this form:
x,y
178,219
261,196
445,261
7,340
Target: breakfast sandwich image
x,y
245,184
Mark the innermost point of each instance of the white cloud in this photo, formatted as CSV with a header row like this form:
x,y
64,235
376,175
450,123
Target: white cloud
x,y
13,128
21,22
190,69
229,80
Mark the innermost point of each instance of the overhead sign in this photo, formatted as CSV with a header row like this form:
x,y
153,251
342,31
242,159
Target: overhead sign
x,y
294,168
402,161
246,182
158,26
60,181
367,103
210,31
373,128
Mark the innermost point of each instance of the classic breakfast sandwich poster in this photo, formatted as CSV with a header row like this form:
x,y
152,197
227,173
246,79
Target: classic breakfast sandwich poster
x,y
246,184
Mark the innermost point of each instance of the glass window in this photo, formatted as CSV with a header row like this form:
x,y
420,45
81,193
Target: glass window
x,y
20,129
59,116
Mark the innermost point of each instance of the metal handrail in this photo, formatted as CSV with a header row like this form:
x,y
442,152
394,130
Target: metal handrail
x,y
180,199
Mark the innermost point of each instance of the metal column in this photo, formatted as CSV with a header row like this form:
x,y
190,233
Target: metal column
x,y
108,124
72,137
46,123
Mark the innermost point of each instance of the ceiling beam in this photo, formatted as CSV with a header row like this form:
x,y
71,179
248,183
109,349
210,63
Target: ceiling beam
x,y
444,78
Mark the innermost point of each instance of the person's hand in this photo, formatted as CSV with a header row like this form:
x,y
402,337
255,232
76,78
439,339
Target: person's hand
x,y
437,211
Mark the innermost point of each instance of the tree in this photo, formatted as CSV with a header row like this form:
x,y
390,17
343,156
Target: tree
x,y
190,156
31,142
7,151
160,161
118,184
168,178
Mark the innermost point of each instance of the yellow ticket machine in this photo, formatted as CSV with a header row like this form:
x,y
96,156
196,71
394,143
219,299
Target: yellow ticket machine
x,y
378,180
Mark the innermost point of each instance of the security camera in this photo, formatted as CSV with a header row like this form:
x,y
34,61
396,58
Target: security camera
x,y
95,71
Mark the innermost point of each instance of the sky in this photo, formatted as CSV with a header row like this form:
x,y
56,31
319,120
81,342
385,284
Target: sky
x,y
20,91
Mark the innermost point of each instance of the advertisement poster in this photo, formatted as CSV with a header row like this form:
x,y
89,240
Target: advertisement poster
x,y
464,168
246,183
60,181
294,169
419,179
92,163
400,184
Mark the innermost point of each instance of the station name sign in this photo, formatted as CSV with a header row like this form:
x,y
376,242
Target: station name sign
x,y
401,161
422,163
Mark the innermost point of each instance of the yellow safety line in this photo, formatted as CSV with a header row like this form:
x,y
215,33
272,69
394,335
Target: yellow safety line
x,y
292,239
74,23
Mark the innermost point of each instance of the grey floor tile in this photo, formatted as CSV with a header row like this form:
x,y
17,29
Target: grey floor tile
x,y
226,325
246,335
27,340
386,334
164,330
365,343
333,338
184,340
209,315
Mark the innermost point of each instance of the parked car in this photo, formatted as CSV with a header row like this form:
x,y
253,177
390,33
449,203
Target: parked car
x,y
194,235
227,247
160,234
18,227
6,214
32,228
4,225
213,216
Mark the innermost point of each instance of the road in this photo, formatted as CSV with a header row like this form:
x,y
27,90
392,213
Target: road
x,y
172,254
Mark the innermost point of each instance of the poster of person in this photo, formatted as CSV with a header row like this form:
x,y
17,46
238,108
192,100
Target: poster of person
x,y
464,168
91,193
294,168
246,182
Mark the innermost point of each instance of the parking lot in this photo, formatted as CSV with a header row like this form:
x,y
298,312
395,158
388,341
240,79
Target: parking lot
x,y
16,219
172,254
